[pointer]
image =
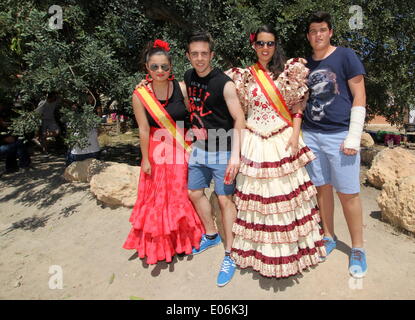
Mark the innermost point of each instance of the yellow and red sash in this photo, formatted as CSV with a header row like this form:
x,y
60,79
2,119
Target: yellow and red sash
x,y
271,92
161,116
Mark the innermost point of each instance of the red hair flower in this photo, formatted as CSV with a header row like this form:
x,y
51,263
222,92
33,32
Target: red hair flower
x,y
252,37
161,44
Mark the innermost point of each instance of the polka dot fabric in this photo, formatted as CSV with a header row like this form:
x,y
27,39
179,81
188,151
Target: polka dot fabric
x,y
164,221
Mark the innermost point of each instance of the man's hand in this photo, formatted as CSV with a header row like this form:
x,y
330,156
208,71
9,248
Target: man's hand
x,y
232,169
347,151
142,83
301,105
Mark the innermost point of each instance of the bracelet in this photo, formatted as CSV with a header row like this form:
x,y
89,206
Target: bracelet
x,y
298,115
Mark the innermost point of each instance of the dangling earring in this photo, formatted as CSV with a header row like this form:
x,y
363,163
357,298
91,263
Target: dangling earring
x,y
171,77
148,78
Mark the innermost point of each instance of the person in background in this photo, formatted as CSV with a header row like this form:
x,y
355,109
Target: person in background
x,y
12,147
47,109
92,149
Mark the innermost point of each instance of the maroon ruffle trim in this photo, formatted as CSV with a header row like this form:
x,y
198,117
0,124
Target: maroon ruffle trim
x,y
267,137
274,277
275,164
278,260
287,228
280,198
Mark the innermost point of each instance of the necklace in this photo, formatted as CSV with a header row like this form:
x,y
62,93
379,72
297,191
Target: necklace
x,y
167,98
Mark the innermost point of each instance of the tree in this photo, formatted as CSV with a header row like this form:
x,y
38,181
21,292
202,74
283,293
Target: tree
x,y
98,48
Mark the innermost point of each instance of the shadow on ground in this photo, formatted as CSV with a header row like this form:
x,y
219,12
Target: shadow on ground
x,y
122,153
40,187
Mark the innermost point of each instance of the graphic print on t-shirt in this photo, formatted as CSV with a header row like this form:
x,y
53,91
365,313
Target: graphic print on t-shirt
x,y
323,90
198,95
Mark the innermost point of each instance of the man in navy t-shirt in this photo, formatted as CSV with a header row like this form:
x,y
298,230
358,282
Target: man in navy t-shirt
x,y
332,128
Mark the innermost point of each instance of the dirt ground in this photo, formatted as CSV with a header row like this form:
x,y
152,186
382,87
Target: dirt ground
x,y
47,222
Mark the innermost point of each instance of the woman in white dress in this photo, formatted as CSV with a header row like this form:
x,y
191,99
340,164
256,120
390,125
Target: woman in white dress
x,y
277,231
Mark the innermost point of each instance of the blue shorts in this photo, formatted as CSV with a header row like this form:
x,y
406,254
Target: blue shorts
x,y
203,166
332,166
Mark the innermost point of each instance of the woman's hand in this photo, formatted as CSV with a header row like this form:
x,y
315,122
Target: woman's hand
x,y
146,166
232,169
293,144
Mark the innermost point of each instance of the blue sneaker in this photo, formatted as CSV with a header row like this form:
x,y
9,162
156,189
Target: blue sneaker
x,y
226,271
330,245
357,263
205,243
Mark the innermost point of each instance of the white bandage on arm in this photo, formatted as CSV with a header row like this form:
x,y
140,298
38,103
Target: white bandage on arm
x,y
357,120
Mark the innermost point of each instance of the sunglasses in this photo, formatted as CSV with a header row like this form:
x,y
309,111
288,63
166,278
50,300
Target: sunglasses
x,y
155,67
261,44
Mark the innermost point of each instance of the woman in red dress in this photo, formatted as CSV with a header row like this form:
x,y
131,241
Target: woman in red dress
x,y
163,220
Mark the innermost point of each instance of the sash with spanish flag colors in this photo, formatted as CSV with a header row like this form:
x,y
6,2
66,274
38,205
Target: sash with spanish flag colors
x,y
271,92
161,116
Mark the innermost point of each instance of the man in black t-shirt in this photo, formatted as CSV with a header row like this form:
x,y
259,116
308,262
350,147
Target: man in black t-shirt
x,y
217,119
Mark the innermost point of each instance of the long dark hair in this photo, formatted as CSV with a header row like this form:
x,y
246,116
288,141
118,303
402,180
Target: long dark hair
x,y
150,51
276,65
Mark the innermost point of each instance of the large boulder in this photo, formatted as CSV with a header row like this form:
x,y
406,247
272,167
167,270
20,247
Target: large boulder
x,y
390,165
366,140
367,154
78,171
82,171
116,184
397,203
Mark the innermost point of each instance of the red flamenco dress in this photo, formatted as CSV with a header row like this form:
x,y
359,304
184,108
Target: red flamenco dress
x,y
164,221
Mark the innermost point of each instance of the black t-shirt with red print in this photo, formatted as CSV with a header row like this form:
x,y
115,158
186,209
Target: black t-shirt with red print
x,y
211,121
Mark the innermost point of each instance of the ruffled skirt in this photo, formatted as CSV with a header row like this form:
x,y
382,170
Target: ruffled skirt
x,y
164,221
277,231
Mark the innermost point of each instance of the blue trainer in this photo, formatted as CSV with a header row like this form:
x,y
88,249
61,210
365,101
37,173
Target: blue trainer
x,y
205,243
357,263
330,245
226,271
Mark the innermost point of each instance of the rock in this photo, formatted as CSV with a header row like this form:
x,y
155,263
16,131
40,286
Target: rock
x,y
397,203
77,171
96,167
367,154
17,284
83,171
390,165
366,140
116,184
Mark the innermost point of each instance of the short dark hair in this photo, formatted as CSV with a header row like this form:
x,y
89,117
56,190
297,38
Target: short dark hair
x,y
318,17
200,36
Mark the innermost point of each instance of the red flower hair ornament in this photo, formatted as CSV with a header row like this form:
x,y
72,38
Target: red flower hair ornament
x,y
252,37
161,44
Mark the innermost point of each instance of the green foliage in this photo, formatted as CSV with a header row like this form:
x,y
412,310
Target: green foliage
x,y
100,44
79,124
26,124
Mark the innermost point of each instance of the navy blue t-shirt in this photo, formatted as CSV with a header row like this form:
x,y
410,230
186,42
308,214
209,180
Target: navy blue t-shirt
x,y
330,102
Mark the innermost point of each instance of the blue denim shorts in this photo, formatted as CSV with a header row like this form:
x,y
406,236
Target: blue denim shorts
x,y
332,166
203,166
